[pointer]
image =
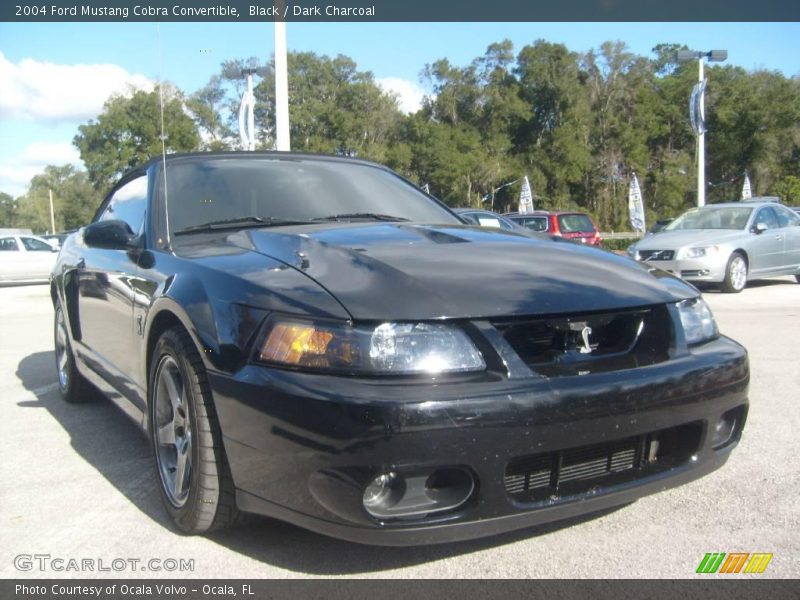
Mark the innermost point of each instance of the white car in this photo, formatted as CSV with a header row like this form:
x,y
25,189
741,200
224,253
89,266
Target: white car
x,y
25,258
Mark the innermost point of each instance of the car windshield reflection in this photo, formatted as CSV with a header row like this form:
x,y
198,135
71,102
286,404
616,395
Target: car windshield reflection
x,y
724,217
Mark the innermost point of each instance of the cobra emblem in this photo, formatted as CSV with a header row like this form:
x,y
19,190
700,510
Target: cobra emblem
x,y
585,333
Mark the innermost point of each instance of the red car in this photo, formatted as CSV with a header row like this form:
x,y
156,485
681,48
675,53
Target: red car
x,y
575,226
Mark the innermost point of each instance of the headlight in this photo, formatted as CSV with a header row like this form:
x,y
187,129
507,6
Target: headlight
x,y
631,250
393,348
698,252
697,320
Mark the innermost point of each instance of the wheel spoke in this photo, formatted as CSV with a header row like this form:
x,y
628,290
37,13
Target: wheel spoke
x,y
173,390
182,465
166,434
62,360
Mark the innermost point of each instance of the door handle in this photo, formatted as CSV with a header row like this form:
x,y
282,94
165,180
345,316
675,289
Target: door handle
x,y
779,237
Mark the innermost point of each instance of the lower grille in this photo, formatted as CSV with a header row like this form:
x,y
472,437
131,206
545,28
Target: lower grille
x,y
579,470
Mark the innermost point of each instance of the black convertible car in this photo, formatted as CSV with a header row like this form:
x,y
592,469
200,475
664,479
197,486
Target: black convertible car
x,y
317,340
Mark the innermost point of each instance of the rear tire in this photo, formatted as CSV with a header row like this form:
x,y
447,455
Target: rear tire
x,y
797,277
735,274
72,385
191,467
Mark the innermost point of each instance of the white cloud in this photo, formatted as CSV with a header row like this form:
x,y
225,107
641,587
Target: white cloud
x,y
409,94
16,173
47,91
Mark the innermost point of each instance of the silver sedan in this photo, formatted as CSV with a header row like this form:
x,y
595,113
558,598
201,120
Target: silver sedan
x,y
728,244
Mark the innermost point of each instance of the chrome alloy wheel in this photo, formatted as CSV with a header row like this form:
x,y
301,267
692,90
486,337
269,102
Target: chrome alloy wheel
x,y
738,273
173,432
62,350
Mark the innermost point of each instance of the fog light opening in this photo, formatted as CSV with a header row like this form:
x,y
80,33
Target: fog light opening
x,y
724,430
417,495
383,492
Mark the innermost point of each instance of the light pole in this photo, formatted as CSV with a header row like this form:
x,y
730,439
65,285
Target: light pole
x,y
698,111
282,142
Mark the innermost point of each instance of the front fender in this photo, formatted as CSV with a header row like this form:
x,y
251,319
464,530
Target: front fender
x,y
222,331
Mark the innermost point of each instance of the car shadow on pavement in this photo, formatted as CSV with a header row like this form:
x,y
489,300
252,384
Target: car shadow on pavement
x,y
99,432
103,436
751,285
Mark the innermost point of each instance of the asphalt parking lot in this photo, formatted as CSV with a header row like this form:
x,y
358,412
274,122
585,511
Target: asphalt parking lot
x,y
77,483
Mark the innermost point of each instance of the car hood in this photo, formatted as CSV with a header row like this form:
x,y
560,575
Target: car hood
x,y
672,240
389,271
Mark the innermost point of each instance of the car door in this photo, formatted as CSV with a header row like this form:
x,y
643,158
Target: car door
x,y
789,223
765,249
105,296
10,263
39,257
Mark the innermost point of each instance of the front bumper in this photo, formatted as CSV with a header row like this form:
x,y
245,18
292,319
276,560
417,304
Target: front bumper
x,y
706,269
302,447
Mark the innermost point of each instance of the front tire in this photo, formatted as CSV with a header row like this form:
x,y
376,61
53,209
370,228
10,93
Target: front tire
x,y
72,385
192,470
735,274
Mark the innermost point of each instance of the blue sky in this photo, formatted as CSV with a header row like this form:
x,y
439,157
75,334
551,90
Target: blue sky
x,y
55,76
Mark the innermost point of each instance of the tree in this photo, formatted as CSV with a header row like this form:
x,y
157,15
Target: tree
x,y
555,140
128,133
75,200
208,106
334,107
8,209
788,189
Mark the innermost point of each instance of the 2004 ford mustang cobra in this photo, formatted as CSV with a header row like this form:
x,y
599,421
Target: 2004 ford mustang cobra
x,y
317,340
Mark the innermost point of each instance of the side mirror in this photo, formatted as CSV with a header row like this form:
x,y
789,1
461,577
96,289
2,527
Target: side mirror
x,y
114,235
760,228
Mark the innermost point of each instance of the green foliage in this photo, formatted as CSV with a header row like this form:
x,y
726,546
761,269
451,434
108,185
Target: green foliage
x,y
128,133
74,201
578,125
788,189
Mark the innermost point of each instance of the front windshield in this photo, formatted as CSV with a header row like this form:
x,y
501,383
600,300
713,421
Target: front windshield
x,y
215,189
722,217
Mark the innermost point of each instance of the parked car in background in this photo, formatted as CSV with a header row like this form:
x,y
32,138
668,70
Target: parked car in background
x,y
660,225
570,225
57,239
487,218
315,339
796,209
727,244
25,259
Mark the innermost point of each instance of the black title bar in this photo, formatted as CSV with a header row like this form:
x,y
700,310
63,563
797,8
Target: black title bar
x,y
397,10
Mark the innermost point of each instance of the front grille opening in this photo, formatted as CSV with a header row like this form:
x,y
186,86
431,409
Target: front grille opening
x,y
591,343
590,469
656,254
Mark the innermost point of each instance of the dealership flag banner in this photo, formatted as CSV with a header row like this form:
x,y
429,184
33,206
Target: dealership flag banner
x,y
696,115
525,197
636,205
746,191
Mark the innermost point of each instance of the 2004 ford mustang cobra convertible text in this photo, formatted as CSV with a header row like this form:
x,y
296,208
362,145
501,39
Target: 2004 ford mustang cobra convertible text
x,y
317,340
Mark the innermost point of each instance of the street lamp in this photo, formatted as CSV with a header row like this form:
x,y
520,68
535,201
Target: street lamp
x,y
698,111
495,190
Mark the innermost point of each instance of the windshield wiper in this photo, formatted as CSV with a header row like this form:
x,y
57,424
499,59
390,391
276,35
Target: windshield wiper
x,y
239,223
365,216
